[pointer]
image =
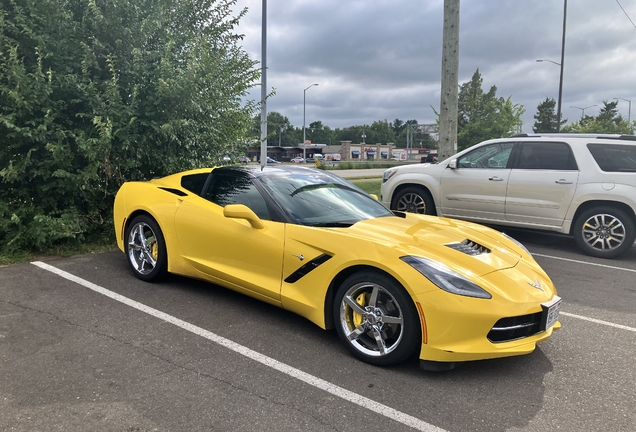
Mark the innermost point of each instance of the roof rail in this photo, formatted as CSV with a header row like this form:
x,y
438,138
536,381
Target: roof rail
x,y
577,135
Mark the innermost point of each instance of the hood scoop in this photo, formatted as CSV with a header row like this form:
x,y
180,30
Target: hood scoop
x,y
469,247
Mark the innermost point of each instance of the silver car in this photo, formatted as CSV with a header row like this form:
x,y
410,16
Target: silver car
x,y
581,185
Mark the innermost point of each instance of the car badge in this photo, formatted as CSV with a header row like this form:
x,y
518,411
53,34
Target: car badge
x,y
536,285
300,257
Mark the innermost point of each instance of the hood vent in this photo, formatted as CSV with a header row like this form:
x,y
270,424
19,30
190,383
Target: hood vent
x,y
469,247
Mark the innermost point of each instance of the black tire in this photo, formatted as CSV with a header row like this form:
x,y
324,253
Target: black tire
x,y
146,249
413,199
604,232
376,319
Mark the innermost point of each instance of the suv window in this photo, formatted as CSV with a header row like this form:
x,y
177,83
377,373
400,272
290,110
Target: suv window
x,y
546,156
614,157
237,188
488,156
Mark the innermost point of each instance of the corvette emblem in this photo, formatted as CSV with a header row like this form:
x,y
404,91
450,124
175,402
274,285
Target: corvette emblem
x,y
536,284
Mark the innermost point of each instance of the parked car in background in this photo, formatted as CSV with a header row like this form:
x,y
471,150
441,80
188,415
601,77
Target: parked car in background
x,y
270,161
581,185
244,159
297,160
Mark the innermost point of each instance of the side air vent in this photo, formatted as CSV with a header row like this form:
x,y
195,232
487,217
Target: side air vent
x,y
469,247
174,191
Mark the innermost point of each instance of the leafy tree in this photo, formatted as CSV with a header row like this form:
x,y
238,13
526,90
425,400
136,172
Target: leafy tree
x,y
97,92
383,132
354,134
483,116
398,126
608,121
401,137
320,134
279,130
546,117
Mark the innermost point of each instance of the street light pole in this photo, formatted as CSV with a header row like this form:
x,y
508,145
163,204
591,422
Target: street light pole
x,y
304,100
629,112
583,109
565,13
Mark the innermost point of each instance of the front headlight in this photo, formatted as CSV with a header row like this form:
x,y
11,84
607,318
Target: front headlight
x,y
388,174
445,278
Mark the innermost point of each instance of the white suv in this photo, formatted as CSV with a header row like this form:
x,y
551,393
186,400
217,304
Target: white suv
x,y
582,185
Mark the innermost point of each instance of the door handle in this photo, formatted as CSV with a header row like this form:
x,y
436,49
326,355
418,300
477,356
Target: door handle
x,y
563,181
495,179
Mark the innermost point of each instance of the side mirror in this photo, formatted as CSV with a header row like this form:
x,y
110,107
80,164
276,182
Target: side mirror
x,y
453,164
240,211
375,197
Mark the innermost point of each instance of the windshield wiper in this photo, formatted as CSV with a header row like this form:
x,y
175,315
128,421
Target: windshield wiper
x,y
324,185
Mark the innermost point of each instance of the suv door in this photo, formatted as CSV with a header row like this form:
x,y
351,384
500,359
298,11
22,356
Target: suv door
x,y
476,188
542,183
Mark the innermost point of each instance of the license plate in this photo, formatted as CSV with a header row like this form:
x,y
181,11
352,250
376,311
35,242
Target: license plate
x,y
551,312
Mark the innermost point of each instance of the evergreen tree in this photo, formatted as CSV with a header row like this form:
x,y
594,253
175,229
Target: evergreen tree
x,y
483,115
546,117
608,121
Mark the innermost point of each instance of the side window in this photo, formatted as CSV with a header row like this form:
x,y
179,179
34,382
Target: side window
x,y
488,156
236,188
194,182
546,156
614,157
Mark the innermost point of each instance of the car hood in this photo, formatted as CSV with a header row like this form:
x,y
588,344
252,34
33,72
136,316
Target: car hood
x,y
463,246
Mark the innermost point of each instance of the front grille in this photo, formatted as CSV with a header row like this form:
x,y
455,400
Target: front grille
x,y
507,329
469,247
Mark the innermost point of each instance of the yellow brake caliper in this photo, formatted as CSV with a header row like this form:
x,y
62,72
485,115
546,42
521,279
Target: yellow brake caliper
x,y
154,249
358,318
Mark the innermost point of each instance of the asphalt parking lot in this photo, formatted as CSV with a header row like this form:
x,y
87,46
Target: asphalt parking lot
x,y
108,352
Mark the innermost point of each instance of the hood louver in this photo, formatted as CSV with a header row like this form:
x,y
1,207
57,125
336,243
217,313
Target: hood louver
x,y
469,247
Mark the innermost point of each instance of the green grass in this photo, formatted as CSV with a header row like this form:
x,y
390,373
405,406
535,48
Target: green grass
x,y
371,186
65,250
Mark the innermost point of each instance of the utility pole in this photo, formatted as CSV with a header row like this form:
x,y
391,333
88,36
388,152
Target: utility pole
x,y
264,86
450,81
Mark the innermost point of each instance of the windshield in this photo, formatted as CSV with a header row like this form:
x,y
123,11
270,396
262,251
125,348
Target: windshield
x,y
322,199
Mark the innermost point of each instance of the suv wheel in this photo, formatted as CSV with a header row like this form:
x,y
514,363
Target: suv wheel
x,y
414,200
604,232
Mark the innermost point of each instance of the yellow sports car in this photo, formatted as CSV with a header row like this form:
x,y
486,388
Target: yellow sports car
x,y
392,284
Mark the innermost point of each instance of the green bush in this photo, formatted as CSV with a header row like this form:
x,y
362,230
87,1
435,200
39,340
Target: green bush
x,y
94,93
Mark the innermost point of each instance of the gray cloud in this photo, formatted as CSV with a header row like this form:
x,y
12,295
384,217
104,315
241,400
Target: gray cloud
x,y
381,59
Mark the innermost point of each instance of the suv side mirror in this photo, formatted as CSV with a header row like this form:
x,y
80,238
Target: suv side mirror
x,y
453,164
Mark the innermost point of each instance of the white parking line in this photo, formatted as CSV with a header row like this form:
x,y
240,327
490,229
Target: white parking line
x,y
585,262
598,321
340,392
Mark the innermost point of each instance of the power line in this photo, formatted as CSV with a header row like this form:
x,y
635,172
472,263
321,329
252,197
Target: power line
x,y
630,20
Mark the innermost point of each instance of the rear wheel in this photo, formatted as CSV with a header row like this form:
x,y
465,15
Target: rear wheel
x,y
146,249
414,199
376,319
604,232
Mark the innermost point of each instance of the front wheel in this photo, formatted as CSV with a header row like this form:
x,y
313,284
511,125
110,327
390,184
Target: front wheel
x,y
414,200
604,232
146,248
376,319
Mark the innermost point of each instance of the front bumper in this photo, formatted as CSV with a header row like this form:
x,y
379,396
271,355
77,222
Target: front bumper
x,y
456,328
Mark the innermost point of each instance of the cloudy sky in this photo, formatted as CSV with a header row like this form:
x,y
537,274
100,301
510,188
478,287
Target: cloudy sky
x,y
381,59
